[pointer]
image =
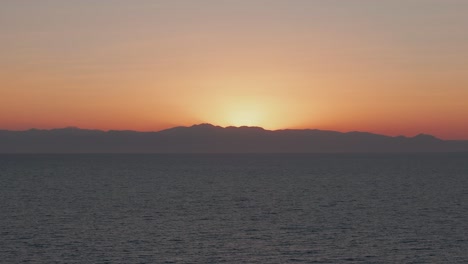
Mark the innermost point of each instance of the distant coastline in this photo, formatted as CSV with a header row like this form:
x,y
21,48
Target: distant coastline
x,y
207,138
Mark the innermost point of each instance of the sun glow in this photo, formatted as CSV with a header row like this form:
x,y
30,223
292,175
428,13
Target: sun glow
x,y
245,117
235,112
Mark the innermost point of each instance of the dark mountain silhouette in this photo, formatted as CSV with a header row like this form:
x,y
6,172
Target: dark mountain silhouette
x,y
206,138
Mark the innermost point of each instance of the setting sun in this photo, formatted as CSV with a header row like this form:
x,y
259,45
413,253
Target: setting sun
x,y
245,117
243,112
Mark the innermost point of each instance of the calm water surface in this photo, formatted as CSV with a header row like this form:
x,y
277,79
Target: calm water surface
x,y
234,208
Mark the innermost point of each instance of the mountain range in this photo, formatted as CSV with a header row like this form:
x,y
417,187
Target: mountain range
x,y
207,138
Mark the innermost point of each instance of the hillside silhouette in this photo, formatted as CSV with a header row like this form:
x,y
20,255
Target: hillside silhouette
x,y
207,138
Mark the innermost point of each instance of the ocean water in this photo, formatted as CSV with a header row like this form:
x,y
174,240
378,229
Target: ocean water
x,y
255,208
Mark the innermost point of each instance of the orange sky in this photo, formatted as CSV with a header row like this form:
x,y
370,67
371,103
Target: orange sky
x,y
391,67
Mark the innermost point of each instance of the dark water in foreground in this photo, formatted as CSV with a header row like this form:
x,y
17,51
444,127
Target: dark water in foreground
x,y
234,208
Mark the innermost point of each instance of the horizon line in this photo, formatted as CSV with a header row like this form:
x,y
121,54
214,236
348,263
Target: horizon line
x,y
225,127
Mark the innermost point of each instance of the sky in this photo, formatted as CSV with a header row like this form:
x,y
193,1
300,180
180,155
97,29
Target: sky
x,y
395,67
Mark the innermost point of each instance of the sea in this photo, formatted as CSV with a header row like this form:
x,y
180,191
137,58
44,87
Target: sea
x,y
234,208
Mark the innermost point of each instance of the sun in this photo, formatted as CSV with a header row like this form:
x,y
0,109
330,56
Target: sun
x,y
245,117
253,112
